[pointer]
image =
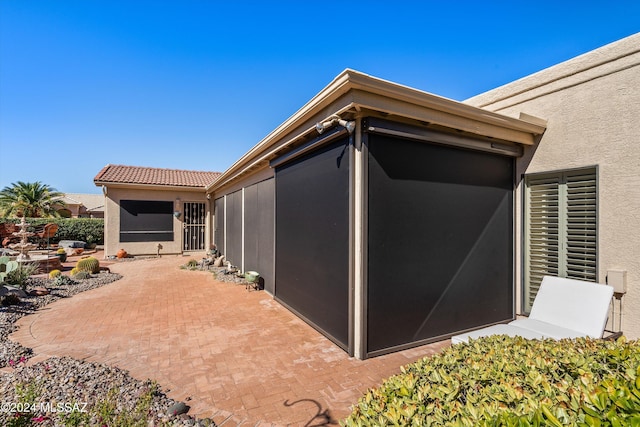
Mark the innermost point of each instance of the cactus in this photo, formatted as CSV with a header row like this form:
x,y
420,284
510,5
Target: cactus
x,y
82,275
12,265
54,273
6,267
63,280
89,264
74,271
61,251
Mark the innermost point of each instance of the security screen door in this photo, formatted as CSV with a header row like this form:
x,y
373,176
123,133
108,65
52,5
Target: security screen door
x,y
194,226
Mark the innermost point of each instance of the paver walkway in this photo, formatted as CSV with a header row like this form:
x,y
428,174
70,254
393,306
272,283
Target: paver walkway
x,y
241,358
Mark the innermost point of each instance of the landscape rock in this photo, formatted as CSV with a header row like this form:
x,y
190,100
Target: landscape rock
x,y
8,290
178,408
39,291
71,244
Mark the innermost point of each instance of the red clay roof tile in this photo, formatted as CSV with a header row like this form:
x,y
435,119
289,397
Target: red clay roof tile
x,y
120,174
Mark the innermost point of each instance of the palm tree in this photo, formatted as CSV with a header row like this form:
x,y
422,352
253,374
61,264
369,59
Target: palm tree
x,y
30,199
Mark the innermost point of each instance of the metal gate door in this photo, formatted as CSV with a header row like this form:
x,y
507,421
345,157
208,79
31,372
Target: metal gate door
x,y
194,226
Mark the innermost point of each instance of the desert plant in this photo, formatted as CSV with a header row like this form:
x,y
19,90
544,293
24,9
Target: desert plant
x,y
63,280
61,251
54,273
73,271
498,381
89,264
6,267
20,275
82,275
192,264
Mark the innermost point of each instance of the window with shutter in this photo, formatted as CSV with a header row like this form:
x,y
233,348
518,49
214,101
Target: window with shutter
x,y
560,228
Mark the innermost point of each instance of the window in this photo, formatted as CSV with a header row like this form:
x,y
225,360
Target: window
x,y
146,221
560,228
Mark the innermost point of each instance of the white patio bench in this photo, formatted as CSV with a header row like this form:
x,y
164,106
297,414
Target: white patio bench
x,y
563,308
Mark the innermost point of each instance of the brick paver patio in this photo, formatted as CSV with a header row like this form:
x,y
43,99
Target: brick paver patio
x,y
238,357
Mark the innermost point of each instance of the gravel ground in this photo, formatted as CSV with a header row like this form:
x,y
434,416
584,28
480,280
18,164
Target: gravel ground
x,y
221,274
69,382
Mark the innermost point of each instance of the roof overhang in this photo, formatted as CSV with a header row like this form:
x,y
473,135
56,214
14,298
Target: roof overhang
x,y
147,187
355,94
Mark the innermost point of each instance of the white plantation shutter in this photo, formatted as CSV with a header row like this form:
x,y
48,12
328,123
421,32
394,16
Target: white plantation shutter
x,y
581,227
542,249
560,228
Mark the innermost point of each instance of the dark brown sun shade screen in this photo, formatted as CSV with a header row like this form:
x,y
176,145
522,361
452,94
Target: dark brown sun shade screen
x,y
259,202
146,221
219,224
233,235
312,238
440,241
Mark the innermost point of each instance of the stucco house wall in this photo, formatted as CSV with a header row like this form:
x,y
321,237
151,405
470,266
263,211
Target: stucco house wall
x,y
112,220
179,222
592,105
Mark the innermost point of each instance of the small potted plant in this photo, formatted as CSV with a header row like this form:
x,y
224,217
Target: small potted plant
x,y
62,254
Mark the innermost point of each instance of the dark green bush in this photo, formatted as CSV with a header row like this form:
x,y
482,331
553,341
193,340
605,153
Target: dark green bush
x,y
90,230
502,381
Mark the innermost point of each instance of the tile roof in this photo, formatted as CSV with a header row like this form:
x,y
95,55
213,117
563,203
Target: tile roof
x,y
89,201
119,174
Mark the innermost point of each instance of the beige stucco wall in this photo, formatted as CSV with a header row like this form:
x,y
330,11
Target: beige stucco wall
x,y
592,104
112,219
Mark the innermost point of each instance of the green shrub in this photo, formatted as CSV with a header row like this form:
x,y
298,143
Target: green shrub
x,y
498,381
63,280
82,275
89,264
89,230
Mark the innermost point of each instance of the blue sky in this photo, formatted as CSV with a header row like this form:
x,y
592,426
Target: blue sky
x,y
194,84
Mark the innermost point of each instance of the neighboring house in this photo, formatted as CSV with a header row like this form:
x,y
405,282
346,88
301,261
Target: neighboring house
x,y
83,205
153,210
387,217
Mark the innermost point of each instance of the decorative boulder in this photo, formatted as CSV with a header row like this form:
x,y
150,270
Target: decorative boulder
x,y
39,291
178,408
219,262
72,244
8,290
